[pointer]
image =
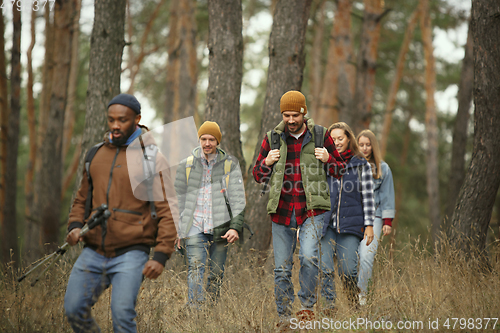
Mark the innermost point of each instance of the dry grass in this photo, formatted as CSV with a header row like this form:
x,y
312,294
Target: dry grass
x,y
414,287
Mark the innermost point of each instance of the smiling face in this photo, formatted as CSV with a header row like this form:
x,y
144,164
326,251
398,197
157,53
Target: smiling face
x,y
340,139
122,122
294,121
209,144
365,146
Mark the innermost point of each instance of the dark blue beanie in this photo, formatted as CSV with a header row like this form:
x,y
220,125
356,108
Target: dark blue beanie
x,y
127,100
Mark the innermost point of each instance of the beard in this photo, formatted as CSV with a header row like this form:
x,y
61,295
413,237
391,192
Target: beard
x,y
296,127
122,140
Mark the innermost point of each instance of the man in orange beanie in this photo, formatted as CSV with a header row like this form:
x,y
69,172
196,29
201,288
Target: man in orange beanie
x,y
294,165
211,198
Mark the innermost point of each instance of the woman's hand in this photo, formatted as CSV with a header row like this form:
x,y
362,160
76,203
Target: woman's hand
x,y
386,229
368,235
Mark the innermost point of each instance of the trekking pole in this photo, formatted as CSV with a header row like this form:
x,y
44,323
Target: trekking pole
x,y
102,214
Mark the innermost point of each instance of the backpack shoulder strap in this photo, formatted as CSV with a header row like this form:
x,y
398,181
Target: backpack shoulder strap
x,y
319,136
274,140
189,165
149,169
88,159
227,169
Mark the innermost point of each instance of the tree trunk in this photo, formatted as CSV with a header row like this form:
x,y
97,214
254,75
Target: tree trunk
x,y
30,110
69,113
225,72
457,169
9,218
338,82
430,122
51,148
106,50
359,116
4,119
399,185
180,92
316,60
391,98
477,196
286,67
32,243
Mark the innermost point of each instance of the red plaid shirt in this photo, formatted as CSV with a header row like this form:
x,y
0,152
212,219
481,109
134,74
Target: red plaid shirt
x,y
292,192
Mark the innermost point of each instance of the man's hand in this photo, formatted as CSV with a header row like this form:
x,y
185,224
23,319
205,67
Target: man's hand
x,y
152,269
74,236
321,154
177,243
272,157
231,236
368,235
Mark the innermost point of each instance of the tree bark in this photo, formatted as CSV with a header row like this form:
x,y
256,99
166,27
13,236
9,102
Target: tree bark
x,y
30,110
359,116
286,67
4,118
340,74
457,169
51,148
182,76
69,113
106,50
225,73
391,98
9,218
432,169
477,196
316,60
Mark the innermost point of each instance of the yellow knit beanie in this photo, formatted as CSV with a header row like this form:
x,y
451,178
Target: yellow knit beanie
x,y
210,127
293,101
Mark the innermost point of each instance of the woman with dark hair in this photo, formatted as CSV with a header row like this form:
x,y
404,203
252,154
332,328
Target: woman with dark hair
x,y
350,219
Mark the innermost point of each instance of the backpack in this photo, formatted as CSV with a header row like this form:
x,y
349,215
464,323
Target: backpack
x,y
275,143
148,166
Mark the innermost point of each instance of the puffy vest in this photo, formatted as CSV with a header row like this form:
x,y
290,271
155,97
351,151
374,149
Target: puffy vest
x,y
312,171
350,215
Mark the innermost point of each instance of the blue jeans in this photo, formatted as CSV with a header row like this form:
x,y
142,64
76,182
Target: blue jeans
x,y
284,242
94,273
345,247
367,256
198,247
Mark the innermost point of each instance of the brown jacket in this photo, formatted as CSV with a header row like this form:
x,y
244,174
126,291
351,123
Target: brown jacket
x,y
130,226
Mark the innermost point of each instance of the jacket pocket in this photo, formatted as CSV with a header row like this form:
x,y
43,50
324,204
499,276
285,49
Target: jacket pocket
x,y
125,227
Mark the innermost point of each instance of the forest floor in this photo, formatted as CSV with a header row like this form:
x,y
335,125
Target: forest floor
x,y
414,292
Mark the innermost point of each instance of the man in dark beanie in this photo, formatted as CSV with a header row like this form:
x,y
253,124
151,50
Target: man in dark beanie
x,y
211,198
116,252
298,199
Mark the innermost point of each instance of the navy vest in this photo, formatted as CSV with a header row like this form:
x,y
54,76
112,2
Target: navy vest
x,y
350,216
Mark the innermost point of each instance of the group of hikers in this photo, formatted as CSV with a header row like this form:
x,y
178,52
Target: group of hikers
x,y
329,191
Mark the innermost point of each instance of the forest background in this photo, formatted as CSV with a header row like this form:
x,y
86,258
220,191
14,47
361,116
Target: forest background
x,y
404,69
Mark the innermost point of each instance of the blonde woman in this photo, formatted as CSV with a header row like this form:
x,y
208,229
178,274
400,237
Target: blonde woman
x,y
350,219
384,203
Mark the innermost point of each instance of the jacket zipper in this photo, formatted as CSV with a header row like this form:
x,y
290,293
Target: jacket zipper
x,y
105,227
338,205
